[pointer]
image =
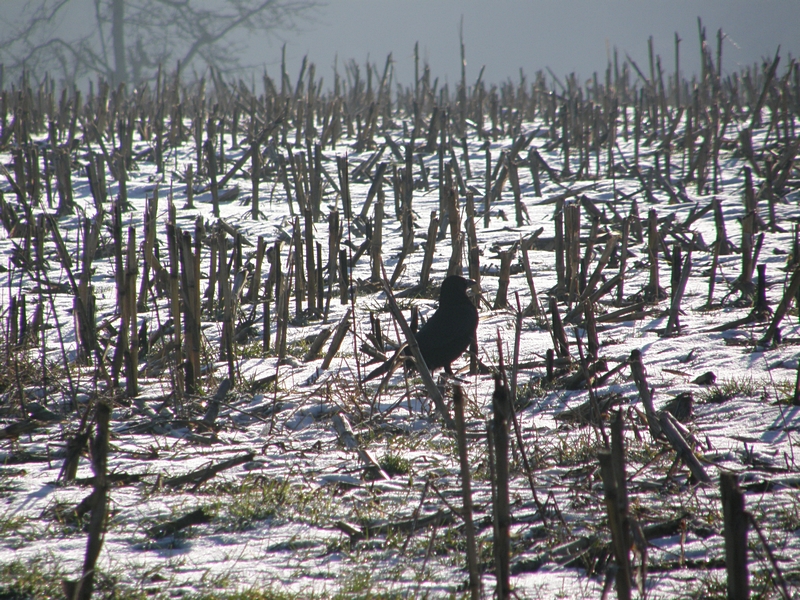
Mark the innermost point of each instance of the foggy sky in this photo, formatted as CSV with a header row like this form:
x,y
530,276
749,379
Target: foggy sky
x,y
505,35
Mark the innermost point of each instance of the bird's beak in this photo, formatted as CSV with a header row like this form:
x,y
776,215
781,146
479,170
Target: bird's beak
x,y
473,287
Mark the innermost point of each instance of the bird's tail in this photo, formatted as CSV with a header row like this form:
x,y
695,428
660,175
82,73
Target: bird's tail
x,y
387,366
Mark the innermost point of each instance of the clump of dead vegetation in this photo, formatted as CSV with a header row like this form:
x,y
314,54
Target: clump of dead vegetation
x,y
153,363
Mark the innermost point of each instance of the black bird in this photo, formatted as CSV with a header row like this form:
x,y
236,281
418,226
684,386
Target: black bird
x,y
144,339
449,332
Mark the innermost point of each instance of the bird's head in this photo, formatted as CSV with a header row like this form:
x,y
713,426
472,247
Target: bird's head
x,y
454,288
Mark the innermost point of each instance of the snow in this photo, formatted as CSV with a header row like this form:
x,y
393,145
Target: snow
x,y
299,547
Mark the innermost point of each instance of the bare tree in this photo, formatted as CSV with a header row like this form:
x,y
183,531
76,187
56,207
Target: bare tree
x,y
126,40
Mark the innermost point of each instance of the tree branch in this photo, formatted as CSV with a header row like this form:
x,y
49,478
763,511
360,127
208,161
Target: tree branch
x,y
156,32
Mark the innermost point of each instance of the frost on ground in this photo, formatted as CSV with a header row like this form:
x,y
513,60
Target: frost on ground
x,y
306,514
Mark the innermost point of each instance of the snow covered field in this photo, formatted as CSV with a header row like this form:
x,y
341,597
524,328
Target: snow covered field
x,y
301,515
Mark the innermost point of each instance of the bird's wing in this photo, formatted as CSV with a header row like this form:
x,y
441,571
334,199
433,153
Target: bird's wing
x,y
445,337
